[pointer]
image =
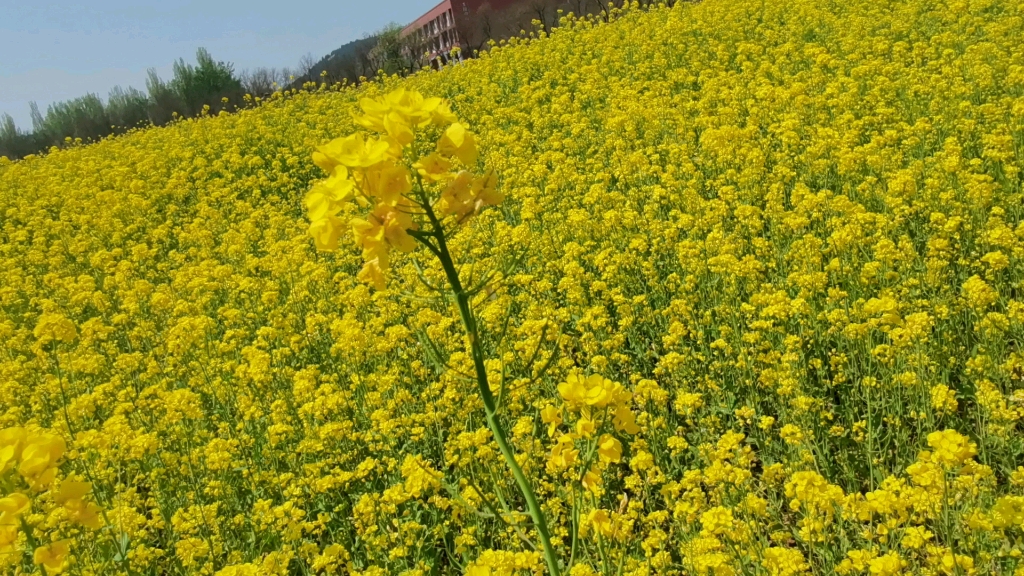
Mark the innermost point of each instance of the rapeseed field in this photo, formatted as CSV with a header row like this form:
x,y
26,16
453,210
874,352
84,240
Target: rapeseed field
x,y
724,288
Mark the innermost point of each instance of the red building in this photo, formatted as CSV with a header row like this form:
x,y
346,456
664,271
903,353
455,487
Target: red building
x,y
435,33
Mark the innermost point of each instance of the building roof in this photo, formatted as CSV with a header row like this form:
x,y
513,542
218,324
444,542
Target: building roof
x,y
441,8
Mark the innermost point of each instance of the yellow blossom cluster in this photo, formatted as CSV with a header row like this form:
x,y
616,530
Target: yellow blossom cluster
x,y
749,291
595,410
40,514
371,172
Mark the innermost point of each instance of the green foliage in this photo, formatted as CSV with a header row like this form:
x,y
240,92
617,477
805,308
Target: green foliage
x,y
388,53
163,101
84,117
13,142
127,108
204,84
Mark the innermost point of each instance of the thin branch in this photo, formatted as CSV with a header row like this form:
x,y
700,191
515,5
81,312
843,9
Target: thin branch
x,y
423,279
424,238
433,348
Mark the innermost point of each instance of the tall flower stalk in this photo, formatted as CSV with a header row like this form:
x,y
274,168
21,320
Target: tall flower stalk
x,y
416,181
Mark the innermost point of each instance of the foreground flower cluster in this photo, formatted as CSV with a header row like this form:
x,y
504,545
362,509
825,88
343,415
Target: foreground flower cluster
x,y
41,515
750,295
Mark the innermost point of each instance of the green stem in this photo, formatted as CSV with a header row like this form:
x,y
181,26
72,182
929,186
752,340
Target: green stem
x,y
575,518
490,409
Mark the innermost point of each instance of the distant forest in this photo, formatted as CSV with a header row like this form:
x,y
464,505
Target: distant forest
x,y
210,86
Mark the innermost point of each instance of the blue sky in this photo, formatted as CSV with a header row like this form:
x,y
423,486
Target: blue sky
x,y
52,50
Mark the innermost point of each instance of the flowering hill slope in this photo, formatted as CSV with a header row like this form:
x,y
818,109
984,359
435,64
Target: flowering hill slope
x,y
792,230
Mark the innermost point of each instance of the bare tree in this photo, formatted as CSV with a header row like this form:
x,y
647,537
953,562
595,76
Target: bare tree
x,y
286,77
304,69
541,10
605,11
476,29
363,62
259,81
581,8
343,67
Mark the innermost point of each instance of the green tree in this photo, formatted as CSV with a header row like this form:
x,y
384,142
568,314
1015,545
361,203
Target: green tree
x,y
15,143
163,102
389,53
204,84
84,117
127,108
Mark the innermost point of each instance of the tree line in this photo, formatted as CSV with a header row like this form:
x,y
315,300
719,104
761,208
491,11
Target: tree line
x,y
206,87
210,86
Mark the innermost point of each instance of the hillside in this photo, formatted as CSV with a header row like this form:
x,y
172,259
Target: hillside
x,y
791,232
349,61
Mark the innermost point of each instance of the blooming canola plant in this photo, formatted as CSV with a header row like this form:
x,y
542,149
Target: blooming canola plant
x,y
717,288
